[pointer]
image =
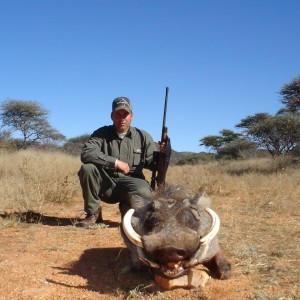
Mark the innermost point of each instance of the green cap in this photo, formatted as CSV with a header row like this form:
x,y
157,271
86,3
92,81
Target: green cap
x,y
121,103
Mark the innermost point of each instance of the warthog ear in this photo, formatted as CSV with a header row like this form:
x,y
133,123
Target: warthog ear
x,y
201,201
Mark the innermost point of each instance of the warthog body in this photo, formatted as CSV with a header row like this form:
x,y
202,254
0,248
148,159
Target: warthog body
x,y
172,233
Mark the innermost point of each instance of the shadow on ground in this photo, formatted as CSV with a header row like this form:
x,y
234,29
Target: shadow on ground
x,y
37,218
107,271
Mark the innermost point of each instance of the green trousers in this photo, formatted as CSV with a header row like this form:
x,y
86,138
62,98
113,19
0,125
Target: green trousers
x,y
97,185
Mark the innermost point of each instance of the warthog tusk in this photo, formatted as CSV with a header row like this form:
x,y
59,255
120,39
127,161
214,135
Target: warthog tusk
x,y
132,235
214,228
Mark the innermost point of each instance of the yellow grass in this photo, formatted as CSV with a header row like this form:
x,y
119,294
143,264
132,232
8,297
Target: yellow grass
x,y
29,179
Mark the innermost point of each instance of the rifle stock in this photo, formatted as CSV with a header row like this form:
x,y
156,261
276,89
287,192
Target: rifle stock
x,y
162,159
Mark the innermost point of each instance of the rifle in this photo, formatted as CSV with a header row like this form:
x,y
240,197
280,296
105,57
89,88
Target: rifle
x,y
161,160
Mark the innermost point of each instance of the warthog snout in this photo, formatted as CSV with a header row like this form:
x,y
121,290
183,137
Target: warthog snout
x,y
165,255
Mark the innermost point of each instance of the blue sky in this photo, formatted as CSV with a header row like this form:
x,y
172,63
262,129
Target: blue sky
x,y
222,60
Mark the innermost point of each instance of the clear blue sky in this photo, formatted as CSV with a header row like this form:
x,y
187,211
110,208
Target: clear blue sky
x,y
223,60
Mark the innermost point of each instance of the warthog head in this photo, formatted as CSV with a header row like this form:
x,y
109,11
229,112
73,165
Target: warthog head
x,y
172,235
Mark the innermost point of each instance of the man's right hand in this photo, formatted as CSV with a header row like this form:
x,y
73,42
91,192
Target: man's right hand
x,y
122,166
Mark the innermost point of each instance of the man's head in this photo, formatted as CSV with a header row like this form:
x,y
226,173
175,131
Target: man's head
x,y
121,114
121,103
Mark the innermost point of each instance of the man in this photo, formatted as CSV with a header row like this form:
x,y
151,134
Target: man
x,y
113,161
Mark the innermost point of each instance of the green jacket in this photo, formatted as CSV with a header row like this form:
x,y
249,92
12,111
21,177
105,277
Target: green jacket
x,y
104,147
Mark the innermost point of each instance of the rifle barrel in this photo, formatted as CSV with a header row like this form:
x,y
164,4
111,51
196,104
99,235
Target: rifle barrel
x,y
165,114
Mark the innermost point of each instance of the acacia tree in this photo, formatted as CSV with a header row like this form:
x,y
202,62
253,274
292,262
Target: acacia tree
x,y
213,142
229,144
279,134
291,95
216,141
30,119
241,148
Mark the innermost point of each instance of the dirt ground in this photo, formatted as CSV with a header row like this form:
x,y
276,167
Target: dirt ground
x,y
53,259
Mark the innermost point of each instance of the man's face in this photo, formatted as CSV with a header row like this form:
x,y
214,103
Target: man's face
x,y
122,120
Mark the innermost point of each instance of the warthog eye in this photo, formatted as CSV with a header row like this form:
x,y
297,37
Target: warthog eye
x,y
186,217
151,221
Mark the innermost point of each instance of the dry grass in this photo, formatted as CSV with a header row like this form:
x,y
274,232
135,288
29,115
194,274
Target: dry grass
x,y
257,200
29,179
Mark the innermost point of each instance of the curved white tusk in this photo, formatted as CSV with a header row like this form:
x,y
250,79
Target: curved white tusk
x,y
213,230
133,236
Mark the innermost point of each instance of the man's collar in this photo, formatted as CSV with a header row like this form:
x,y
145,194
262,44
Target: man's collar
x,y
128,134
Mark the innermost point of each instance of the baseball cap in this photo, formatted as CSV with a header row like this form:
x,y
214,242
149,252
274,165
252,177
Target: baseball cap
x,y
121,103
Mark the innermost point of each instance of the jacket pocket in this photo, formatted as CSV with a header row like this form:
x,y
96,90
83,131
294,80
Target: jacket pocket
x,y
137,156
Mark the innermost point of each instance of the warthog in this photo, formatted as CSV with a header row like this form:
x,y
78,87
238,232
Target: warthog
x,y
171,233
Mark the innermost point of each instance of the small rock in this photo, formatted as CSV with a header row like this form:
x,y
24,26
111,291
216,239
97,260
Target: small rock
x,y
194,279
